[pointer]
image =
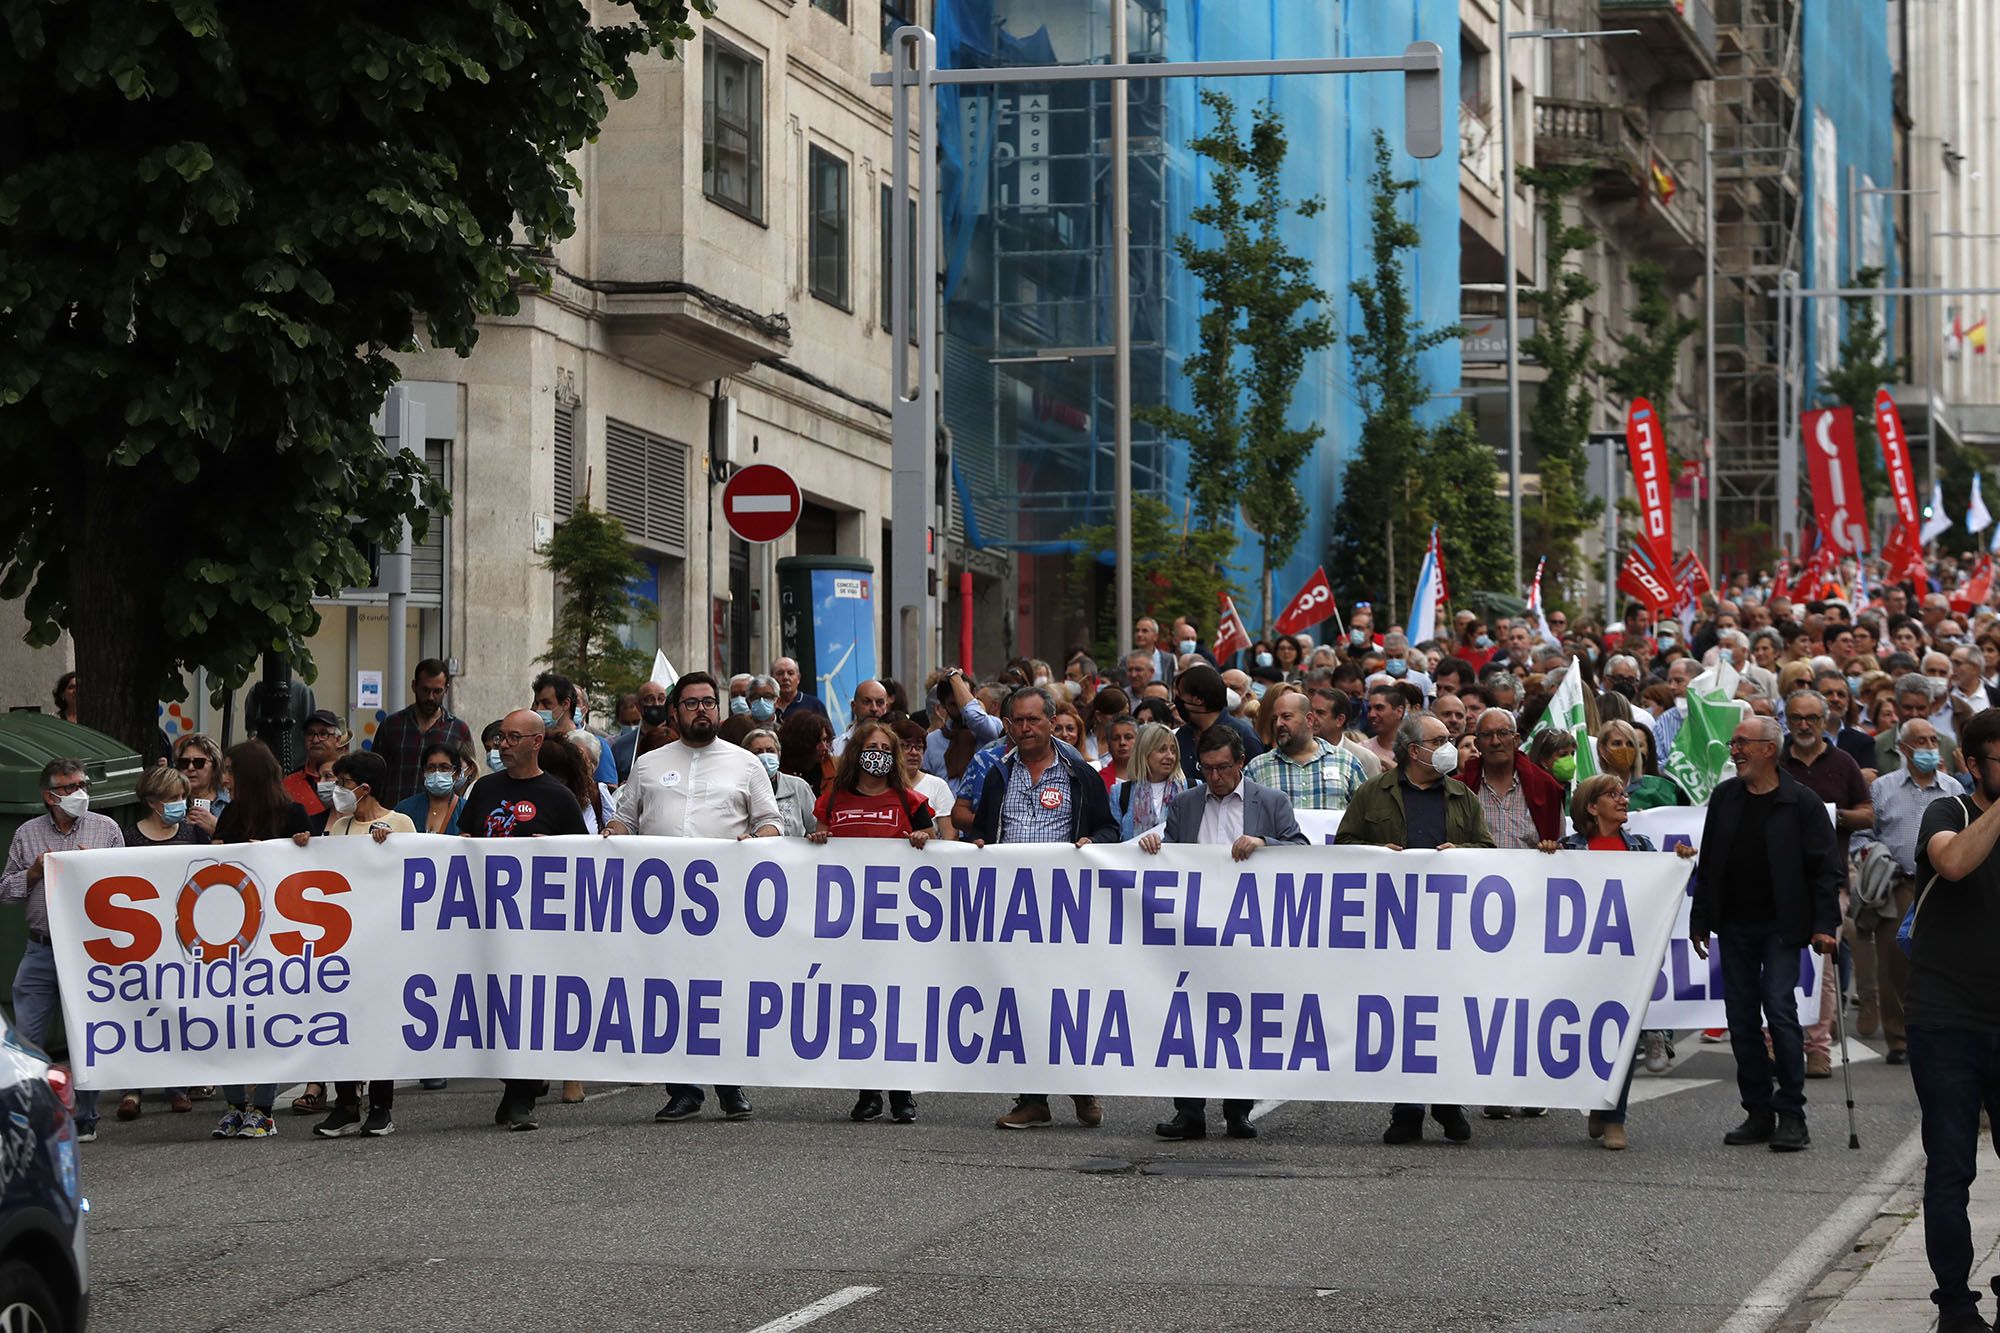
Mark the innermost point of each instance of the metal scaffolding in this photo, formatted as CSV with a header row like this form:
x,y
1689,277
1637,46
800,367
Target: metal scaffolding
x,y
1759,214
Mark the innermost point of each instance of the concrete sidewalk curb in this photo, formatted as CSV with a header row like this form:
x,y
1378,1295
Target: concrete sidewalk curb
x,y
1886,1283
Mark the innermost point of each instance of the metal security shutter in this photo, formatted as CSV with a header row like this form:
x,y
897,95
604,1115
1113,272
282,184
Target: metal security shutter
x,y
646,486
427,558
565,461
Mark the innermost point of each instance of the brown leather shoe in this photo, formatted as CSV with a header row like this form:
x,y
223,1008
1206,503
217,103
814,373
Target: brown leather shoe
x,y
181,1102
128,1106
1025,1115
1614,1137
572,1092
1819,1064
1089,1112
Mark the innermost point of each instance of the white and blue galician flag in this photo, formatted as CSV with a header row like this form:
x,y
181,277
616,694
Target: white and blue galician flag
x,y
1976,517
1939,522
1430,594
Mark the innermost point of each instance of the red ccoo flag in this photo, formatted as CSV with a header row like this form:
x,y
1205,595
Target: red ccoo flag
x,y
1230,636
1313,604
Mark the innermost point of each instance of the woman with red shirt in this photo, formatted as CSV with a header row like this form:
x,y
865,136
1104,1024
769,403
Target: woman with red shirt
x,y
870,797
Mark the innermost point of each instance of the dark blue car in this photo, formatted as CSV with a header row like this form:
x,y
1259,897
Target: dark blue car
x,y
44,1280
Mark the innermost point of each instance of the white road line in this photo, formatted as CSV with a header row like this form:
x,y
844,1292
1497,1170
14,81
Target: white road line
x,y
819,1309
1652,1089
1781,1290
1262,1109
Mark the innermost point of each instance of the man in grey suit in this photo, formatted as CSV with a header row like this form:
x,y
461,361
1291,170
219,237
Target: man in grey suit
x,y
1227,810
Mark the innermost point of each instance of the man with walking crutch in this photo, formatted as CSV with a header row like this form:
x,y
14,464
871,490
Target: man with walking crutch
x,y
1769,883
1952,1009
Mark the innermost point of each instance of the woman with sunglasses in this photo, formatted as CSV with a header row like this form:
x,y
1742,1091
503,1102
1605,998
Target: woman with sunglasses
x,y
199,760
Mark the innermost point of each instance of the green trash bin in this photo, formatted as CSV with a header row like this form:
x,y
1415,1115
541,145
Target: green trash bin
x,y
28,741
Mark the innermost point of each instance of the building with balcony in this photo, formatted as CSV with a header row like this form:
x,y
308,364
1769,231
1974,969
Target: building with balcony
x,y
1629,111
728,247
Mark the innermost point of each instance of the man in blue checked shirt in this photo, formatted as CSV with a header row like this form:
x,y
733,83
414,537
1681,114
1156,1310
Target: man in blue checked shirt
x,y
1312,774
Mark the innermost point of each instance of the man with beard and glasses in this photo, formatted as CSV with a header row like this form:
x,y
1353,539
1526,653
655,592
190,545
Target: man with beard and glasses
x,y
698,787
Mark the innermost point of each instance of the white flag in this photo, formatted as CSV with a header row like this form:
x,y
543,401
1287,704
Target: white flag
x,y
1939,522
1976,517
1566,713
664,674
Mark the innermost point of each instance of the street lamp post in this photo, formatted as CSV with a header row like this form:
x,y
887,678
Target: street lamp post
x,y
1507,247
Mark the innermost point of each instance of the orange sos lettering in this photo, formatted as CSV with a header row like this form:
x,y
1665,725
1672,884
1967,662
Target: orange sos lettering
x,y
328,917
108,904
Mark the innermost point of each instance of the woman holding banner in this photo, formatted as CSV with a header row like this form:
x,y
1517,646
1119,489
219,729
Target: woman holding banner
x,y
871,797
1598,811
1140,803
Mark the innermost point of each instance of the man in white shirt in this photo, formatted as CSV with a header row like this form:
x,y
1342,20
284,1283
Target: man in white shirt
x,y
871,704
1968,679
698,787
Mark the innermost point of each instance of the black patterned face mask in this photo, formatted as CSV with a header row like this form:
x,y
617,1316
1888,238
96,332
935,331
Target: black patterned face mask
x,y
877,764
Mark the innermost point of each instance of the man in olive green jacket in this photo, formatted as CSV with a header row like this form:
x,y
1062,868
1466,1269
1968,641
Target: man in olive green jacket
x,y
1417,804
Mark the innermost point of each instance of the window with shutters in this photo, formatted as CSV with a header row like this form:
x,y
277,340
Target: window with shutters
x,y
732,128
646,486
826,243
565,461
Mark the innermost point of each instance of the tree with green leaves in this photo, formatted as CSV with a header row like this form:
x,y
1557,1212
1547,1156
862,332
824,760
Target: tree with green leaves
x,y
1380,529
1181,566
1559,424
595,568
1244,453
1863,371
219,223
1650,360
1458,485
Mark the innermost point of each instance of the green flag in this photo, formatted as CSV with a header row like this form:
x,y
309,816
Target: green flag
x,y
1566,713
1701,747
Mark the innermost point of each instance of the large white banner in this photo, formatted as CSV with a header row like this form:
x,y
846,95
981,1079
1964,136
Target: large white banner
x,y
1688,992
1349,975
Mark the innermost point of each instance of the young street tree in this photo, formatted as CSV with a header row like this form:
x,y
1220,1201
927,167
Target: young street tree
x,y
1181,567
1559,424
1405,477
595,567
1863,370
1245,453
220,221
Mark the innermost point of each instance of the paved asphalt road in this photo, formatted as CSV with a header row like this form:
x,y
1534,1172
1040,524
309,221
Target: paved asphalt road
x,y
604,1219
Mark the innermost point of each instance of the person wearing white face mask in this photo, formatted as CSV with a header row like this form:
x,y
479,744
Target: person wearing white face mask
x,y
67,824
1080,682
1418,804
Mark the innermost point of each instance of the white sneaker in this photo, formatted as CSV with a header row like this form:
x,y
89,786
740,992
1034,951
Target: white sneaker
x,y
1656,1053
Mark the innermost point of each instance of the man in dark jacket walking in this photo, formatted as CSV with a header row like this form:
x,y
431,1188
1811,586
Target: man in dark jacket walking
x,y
1042,792
1769,882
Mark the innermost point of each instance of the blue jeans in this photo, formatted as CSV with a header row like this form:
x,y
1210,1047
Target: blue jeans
x,y
1956,1072
1617,1117
35,999
1760,976
260,1095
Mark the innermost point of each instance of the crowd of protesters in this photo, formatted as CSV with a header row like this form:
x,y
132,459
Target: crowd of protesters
x,y
1878,712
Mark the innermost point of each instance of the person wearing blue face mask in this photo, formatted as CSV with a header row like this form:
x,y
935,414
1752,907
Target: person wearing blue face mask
x,y
164,794
447,770
1900,798
559,704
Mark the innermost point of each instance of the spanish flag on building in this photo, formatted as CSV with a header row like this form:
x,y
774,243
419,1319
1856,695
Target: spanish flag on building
x,y
1664,183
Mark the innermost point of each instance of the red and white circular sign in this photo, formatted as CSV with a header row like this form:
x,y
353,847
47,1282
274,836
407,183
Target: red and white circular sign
x,y
761,503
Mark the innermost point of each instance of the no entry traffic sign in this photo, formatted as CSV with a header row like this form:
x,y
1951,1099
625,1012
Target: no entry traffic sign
x,y
761,503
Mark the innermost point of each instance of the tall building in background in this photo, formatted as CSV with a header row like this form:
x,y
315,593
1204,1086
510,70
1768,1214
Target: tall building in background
x,y
1027,251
